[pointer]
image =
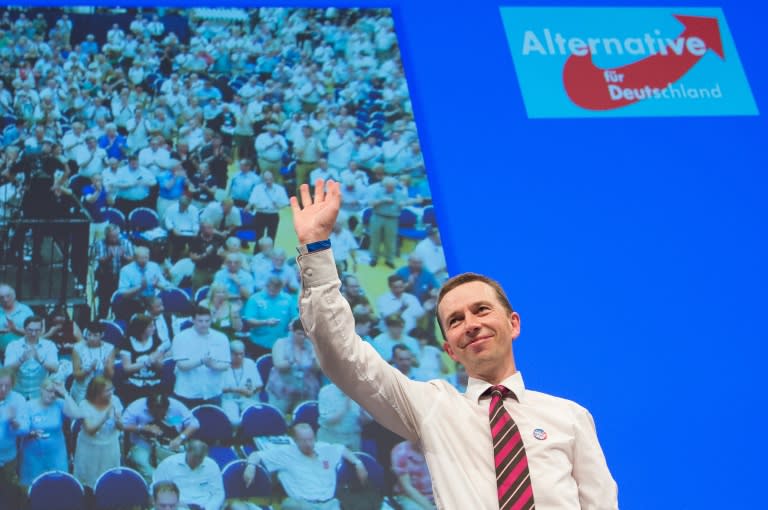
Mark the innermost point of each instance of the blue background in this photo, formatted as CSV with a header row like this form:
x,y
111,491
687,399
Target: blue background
x,y
634,249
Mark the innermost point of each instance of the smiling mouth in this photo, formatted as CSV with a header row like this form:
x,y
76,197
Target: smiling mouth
x,y
477,339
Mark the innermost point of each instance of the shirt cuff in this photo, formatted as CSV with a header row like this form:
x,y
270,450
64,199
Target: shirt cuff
x,y
317,268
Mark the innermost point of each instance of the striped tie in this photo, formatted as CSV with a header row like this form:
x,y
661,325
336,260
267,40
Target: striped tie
x,y
512,477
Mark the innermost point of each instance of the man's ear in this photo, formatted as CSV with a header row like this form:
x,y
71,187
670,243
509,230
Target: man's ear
x,y
449,350
514,320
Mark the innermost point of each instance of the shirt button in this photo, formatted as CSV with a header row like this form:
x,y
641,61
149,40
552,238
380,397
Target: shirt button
x,y
308,272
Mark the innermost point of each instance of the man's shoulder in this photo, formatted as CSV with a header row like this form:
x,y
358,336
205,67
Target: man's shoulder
x,y
539,398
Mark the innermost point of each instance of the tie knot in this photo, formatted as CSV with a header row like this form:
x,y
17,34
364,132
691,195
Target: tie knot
x,y
498,391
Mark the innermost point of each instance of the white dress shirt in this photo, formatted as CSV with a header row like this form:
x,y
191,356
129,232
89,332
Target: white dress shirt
x,y
201,381
567,466
203,485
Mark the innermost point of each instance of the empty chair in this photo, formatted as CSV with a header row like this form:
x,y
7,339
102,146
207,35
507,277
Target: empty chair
x,y
234,487
346,476
408,225
114,216
428,217
215,427
113,333
120,487
56,490
168,376
246,230
142,219
77,182
176,302
123,309
260,420
264,365
222,455
201,293
306,412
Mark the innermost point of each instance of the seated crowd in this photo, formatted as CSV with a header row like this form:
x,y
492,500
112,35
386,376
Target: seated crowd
x,y
184,151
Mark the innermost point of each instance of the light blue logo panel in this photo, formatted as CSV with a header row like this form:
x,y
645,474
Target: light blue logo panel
x,y
626,62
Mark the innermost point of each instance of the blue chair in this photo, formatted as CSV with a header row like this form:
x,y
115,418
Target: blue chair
x,y
428,217
347,477
306,412
142,219
234,487
408,226
185,324
176,302
264,366
246,230
120,487
56,490
222,455
260,420
114,216
113,333
168,376
123,309
215,427
202,293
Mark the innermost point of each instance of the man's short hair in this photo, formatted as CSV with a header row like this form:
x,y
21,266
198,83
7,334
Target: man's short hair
x,y
31,319
394,320
165,486
395,278
200,310
463,278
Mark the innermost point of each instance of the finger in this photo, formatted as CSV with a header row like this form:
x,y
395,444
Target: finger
x,y
306,198
334,190
319,191
295,207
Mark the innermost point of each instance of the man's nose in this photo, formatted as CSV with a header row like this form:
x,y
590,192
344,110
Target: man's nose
x,y
471,323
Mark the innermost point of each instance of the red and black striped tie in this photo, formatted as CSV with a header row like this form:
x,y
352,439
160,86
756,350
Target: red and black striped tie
x,y
512,477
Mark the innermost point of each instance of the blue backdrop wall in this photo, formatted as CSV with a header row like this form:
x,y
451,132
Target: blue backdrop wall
x,y
634,249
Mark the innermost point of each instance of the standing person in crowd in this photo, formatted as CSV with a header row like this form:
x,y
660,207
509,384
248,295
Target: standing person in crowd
x,y
158,427
242,183
265,202
182,221
12,316
141,355
430,250
32,357
98,442
141,278
63,332
308,151
479,326
202,357
267,314
45,448
14,423
387,202
134,185
111,254
225,310
398,301
306,469
91,358
270,146
295,374
205,253
197,476
340,419
242,384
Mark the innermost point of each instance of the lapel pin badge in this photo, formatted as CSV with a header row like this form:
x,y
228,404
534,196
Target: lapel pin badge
x,y
539,434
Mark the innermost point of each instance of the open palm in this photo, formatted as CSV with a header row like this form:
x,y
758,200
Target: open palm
x,y
313,220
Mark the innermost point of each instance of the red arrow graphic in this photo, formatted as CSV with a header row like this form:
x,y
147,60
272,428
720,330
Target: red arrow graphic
x,y
586,84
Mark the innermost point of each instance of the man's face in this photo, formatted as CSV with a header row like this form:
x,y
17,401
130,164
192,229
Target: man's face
x,y
414,265
166,500
156,307
478,329
194,458
33,330
6,297
305,441
93,338
397,287
403,360
142,258
202,324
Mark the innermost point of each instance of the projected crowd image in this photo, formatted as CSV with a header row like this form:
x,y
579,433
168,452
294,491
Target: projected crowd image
x,y
151,351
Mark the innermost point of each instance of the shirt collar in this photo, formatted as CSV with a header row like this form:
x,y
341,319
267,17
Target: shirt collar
x,y
476,387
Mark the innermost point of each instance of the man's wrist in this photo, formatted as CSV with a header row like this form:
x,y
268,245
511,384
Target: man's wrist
x,y
304,249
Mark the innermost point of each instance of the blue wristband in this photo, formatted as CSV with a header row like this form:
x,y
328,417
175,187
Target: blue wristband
x,y
313,247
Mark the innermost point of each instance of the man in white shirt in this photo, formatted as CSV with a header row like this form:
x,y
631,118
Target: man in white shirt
x,y
202,357
399,302
566,466
242,384
270,146
182,221
32,357
155,157
306,469
265,202
91,159
197,476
